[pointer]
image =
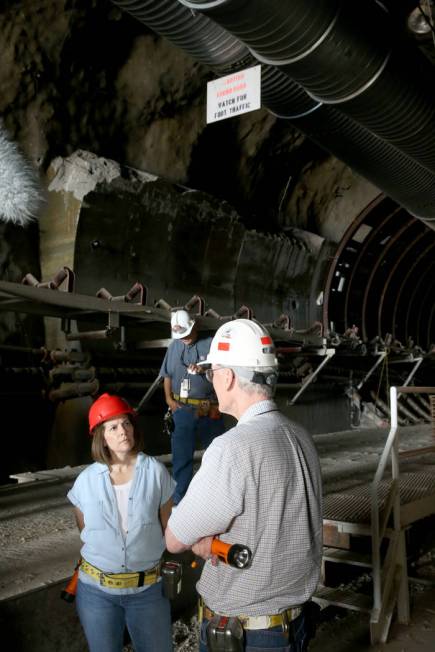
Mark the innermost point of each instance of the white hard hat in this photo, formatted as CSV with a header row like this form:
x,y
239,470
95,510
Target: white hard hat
x,y
181,324
242,343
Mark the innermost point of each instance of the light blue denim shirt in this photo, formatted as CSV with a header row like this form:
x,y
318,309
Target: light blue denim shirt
x,y
104,545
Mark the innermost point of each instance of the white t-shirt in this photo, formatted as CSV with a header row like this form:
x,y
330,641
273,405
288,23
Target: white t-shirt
x,y
122,492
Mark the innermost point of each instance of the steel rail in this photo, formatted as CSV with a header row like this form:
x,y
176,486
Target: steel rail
x,y
390,453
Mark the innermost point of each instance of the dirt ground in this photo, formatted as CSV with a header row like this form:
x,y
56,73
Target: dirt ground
x,y
350,632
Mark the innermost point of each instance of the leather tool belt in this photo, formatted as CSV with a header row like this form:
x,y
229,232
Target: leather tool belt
x,y
122,580
261,622
204,407
193,401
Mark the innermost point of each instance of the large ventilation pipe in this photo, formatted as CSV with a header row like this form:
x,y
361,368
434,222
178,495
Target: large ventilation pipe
x,y
404,180
203,39
395,173
342,53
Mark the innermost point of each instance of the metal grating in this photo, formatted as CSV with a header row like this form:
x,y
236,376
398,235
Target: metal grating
x,y
346,598
354,505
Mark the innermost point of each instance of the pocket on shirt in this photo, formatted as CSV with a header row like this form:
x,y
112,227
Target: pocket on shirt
x,y
94,515
148,515
147,509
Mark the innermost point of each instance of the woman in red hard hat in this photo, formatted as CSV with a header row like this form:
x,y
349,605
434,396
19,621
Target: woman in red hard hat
x,y
122,503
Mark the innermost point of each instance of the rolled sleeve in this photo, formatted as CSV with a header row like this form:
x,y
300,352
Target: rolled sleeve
x,y
73,494
168,485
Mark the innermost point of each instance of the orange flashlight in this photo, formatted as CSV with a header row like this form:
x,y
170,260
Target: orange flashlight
x,y
234,554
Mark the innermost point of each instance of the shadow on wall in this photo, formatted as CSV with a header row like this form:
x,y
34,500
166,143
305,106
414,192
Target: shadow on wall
x,y
25,426
69,442
40,621
318,412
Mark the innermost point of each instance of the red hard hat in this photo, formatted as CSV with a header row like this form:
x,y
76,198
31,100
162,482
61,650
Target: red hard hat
x,y
107,407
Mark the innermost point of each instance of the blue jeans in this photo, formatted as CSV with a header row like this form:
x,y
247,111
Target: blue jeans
x,y
104,616
262,640
186,426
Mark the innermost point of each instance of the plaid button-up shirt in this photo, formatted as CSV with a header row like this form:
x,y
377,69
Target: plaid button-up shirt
x,y
260,484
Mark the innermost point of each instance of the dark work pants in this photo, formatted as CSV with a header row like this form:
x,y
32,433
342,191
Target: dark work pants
x,y
187,425
262,640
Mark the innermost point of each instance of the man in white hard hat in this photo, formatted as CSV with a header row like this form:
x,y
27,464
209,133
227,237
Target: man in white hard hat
x,y
190,397
258,485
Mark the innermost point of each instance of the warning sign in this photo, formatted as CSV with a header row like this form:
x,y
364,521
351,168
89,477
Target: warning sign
x,y
234,94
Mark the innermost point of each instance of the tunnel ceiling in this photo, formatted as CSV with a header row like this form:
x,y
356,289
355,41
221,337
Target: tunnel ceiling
x,y
104,104
364,63
382,279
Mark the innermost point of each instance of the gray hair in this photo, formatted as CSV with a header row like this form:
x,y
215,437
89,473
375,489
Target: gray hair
x,y
245,382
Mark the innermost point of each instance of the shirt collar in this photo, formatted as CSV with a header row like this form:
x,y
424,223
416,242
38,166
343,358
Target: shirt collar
x,y
103,468
261,407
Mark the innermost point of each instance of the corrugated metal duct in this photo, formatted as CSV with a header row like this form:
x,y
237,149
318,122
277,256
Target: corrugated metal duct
x,y
395,173
342,53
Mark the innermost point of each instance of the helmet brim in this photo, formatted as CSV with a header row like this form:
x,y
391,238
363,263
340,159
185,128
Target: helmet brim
x,y
182,334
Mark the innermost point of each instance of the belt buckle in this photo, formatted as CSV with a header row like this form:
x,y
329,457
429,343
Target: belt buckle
x,y
260,622
101,578
256,622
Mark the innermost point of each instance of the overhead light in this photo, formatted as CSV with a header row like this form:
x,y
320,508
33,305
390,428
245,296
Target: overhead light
x,y
418,22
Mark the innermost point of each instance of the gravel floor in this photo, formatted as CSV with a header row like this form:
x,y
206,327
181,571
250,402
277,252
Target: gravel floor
x,y
184,636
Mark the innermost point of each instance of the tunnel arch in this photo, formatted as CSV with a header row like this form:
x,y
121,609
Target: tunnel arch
x,y
381,278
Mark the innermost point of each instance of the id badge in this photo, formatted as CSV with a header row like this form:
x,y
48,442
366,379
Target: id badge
x,y
184,388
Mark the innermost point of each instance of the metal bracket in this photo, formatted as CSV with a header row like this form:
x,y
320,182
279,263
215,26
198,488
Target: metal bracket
x,y
212,313
244,312
161,303
412,373
113,321
283,322
151,390
329,354
134,291
198,301
381,355
65,273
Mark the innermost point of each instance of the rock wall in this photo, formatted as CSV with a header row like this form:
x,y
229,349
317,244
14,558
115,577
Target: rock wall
x,y
132,97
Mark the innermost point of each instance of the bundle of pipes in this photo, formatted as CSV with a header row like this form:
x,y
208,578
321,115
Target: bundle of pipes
x,y
332,70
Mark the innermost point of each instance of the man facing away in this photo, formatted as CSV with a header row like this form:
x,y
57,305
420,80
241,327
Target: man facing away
x,y
189,396
259,485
